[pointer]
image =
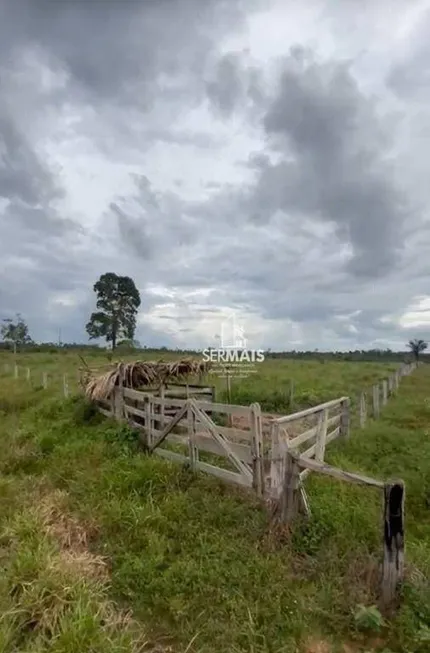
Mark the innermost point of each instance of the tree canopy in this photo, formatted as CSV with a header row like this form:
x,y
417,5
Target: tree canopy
x,y
15,331
417,346
118,301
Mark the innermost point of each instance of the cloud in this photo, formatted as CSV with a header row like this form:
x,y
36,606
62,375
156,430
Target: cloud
x,y
334,166
284,177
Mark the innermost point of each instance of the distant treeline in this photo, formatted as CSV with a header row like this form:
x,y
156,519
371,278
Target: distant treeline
x,y
357,355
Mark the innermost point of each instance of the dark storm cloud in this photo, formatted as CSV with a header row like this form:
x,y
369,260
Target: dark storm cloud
x,y
112,49
334,167
22,174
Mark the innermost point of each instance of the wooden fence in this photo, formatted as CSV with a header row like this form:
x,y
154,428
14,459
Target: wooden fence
x,y
193,425
371,401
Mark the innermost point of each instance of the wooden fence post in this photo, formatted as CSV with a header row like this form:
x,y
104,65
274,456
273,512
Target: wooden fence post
x,y
65,386
345,418
148,421
258,480
321,435
276,461
291,398
363,410
390,385
375,396
393,541
118,403
45,380
384,392
192,448
28,375
162,405
289,501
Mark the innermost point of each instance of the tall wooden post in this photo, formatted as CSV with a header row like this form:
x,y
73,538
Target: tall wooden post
x,y
65,385
345,418
291,398
393,541
363,410
384,392
193,451
257,449
289,502
375,391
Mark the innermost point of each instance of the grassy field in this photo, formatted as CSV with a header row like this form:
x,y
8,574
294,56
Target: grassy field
x,y
91,530
314,381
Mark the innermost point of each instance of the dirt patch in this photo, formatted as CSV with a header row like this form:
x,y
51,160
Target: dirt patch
x,y
318,646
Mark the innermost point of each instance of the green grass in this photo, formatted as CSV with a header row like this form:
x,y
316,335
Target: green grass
x,y
193,559
314,381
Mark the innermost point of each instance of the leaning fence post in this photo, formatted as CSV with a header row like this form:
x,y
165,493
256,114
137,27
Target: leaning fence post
x,y
345,418
45,380
257,449
393,541
375,391
363,410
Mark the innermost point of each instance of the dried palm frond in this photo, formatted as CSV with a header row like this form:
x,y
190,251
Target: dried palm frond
x,y
139,374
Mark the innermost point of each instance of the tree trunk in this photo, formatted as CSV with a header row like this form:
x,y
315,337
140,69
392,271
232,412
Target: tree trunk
x,y
113,340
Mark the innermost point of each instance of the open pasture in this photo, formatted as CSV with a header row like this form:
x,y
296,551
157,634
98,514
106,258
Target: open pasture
x,y
279,385
91,529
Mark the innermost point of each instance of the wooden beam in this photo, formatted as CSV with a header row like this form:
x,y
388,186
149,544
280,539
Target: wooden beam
x,y
310,411
323,468
179,415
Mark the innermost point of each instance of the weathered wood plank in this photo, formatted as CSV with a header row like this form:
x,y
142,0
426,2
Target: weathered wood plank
x,y
310,411
106,413
222,441
303,437
207,443
225,474
169,427
341,475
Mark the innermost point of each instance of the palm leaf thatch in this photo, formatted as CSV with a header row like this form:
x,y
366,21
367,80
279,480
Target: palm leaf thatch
x,y
138,374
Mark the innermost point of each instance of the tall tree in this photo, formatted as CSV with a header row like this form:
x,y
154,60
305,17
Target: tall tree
x,y
417,346
118,301
15,331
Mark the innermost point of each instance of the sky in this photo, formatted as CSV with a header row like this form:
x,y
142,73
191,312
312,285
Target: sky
x,y
266,159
